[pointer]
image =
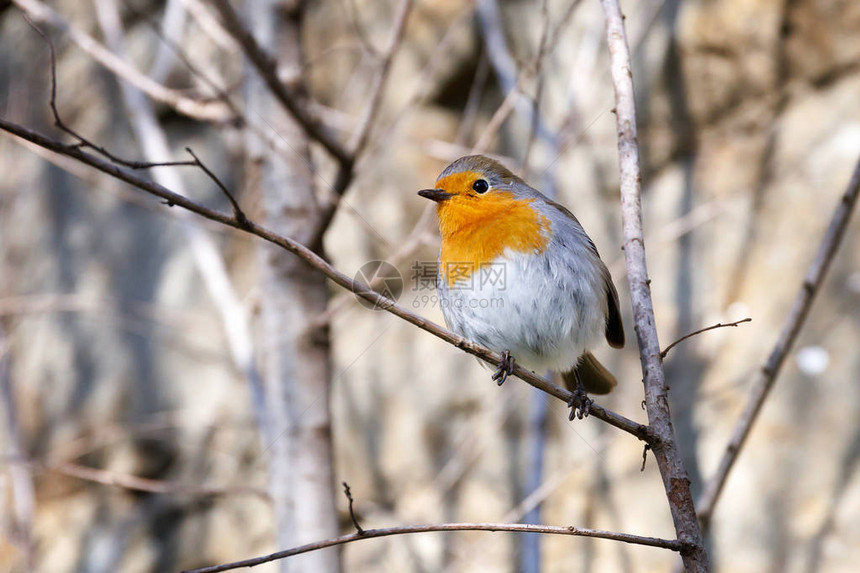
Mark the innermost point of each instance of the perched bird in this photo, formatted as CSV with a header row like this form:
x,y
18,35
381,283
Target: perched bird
x,y
518,274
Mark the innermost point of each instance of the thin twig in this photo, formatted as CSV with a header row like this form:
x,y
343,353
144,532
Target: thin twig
x,y
238,213
176,49
267,68
671,544
537,65
314,260
348,493
700,331
665,447
794,322
82,141
132,482
346,171
382,143
473,100
359,139
213,111
509,77
499,117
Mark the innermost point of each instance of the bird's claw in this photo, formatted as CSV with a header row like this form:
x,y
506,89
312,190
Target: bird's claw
x,y
506,368
579,403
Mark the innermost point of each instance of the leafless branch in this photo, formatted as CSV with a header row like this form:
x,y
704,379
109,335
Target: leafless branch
x,y
135,483
346,171
266,66
311,258
361,34
209,24
499,116
665,448
212,111
670,544
537,65
700,331
240,216
503,63
82,141
154,144
359,139
791,328
348,493
420,90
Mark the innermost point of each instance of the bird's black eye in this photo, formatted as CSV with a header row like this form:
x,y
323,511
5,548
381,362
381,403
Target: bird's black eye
x,y
480,186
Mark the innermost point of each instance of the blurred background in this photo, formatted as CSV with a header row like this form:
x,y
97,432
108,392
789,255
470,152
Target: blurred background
x,y
175,394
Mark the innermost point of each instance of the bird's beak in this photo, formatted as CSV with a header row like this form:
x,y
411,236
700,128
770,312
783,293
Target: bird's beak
x,y
437,195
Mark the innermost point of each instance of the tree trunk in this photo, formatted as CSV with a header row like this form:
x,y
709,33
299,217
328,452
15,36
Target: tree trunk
x,y
296,354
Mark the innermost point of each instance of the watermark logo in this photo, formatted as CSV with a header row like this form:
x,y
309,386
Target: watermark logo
x,y
383,278
461,276
482,279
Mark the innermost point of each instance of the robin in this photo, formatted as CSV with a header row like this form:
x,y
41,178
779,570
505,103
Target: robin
x,y
518,274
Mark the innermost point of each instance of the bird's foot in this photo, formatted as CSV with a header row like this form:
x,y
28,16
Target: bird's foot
x,y
506,368
580,403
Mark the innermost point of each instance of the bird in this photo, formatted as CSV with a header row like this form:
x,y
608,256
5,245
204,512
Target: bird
x,y
517,273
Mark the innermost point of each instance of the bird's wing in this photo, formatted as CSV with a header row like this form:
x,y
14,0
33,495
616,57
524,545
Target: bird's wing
x,y
614,327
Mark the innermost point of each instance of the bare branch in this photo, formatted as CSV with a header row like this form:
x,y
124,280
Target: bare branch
x,y
665,448
359,139
670,544
700,331
346,172
240,216
348,493
420,89
214,111
794,322
135,483
267,68
503,63
499,116
209,24
154,144
311,258
82,141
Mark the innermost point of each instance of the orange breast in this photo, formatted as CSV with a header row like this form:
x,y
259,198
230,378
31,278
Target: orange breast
x,y
477,229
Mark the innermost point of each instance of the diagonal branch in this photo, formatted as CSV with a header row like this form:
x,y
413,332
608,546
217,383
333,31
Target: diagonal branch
x,y
82,141
215,111
790,330
665,447
311,258
267,67
359,139
358,143
670,544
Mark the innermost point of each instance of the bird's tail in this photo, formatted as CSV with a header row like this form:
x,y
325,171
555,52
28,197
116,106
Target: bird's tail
x,y
595,378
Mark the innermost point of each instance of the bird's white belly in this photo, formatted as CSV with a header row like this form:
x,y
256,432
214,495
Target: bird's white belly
x,y
542,310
